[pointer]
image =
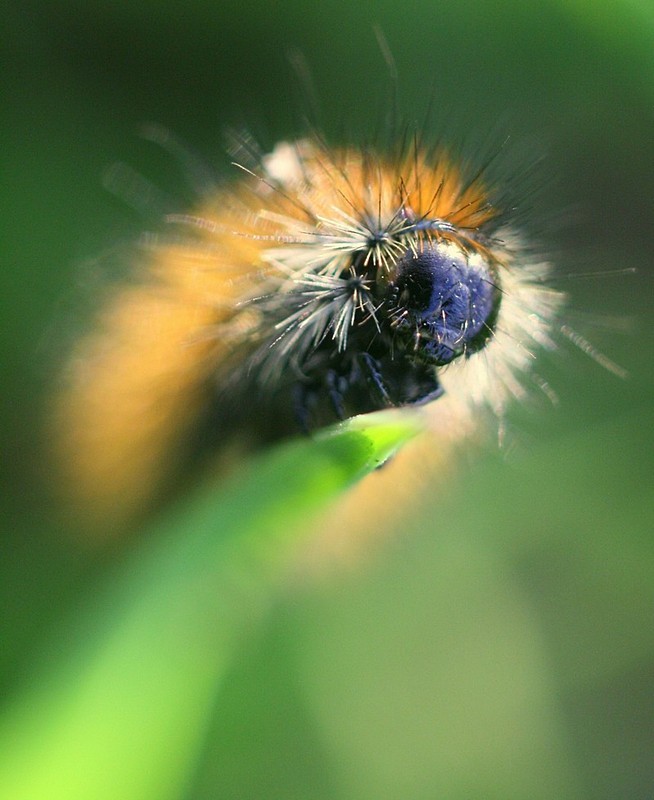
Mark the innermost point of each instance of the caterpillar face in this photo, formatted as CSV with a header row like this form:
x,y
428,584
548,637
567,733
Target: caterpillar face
x,y
376,333
446,301
381,273
319,285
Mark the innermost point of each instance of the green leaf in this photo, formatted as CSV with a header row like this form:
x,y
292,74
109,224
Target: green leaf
x,y
120,704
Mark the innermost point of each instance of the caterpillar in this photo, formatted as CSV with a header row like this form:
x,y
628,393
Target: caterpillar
x,y
319,283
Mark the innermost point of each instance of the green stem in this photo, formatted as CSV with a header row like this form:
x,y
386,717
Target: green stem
x,y
120,710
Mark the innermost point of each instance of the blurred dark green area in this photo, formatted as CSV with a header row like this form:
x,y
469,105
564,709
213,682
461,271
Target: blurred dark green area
x,y
502,646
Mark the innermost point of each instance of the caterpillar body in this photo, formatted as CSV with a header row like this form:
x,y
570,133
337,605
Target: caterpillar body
x,y
320,284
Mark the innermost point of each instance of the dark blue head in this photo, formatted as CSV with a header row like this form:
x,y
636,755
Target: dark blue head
x,y
447,301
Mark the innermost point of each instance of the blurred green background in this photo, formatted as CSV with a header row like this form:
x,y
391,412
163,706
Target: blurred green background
x,y
502,645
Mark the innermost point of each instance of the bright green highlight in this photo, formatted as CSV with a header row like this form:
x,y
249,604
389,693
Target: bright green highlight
x,y
121,710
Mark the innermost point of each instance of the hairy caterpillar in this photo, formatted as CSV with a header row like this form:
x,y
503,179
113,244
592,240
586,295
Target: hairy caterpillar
x,y
320,284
